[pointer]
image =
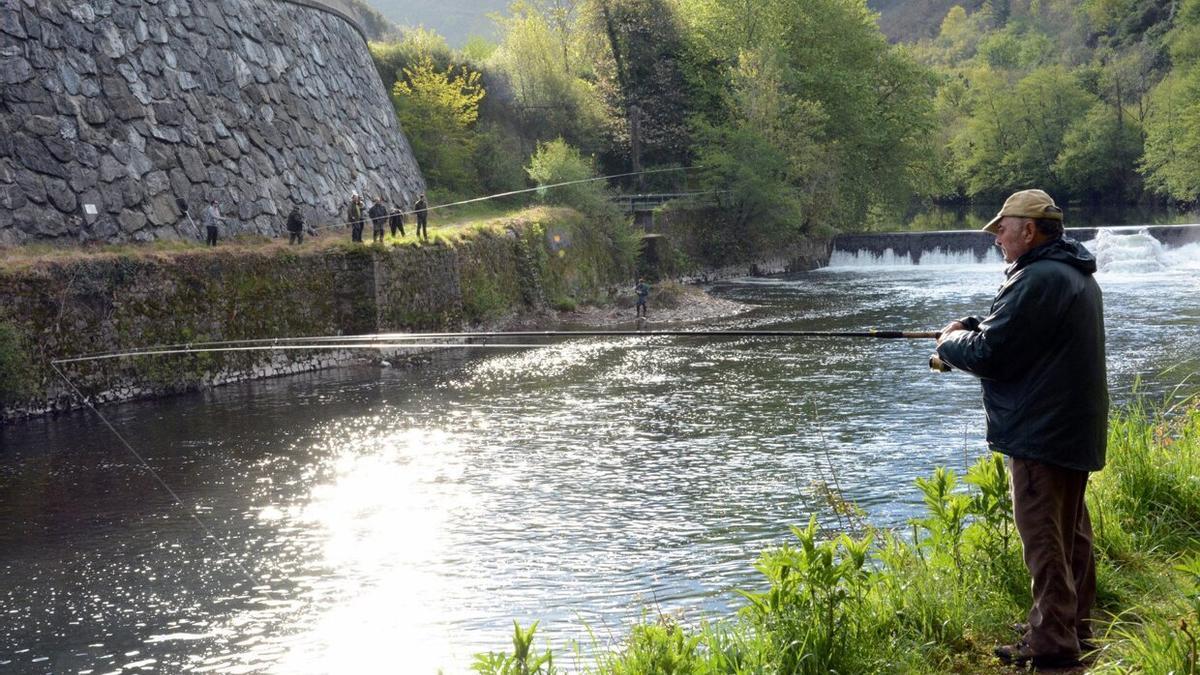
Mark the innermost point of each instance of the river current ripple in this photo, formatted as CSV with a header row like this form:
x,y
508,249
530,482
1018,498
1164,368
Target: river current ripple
x,y
399,520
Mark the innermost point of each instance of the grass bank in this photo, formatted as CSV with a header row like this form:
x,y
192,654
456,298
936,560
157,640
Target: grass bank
x,y
64,302
447,227
937,597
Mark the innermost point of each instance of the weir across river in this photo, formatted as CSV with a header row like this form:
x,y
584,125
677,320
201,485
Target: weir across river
x,y
961,245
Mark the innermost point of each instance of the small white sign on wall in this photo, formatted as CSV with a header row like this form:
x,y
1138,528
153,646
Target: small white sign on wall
x,y
89,209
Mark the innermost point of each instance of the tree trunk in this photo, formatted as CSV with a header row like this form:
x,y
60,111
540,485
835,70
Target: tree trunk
x,y
633,115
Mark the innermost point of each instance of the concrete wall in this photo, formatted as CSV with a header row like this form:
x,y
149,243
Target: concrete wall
x,y
914,244
104,303
129,105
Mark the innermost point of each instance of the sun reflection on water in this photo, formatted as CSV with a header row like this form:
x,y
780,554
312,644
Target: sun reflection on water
x,y
382,520
400,520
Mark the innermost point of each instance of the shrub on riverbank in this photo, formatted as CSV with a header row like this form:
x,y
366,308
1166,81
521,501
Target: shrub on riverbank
x,y
937,598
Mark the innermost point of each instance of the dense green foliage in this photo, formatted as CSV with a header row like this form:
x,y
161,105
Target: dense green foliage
x,y
937,599
797,118
439,110
1093,101
800,117
604,230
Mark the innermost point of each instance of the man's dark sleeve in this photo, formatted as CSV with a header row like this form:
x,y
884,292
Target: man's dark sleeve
x,y
971,322
1006,342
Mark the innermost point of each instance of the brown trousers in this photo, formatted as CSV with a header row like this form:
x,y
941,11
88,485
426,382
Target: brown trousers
x,y
1052,519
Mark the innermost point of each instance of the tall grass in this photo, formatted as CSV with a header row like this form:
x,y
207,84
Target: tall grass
x,y
936,597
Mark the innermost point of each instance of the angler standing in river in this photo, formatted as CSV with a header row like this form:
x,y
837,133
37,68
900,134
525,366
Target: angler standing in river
x,y
642,289
1040,357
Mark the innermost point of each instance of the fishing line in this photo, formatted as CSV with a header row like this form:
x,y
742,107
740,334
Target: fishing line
x,y
524,191
410,341
179,500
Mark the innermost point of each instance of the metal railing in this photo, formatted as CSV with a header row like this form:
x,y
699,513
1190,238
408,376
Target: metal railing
x,y
648,202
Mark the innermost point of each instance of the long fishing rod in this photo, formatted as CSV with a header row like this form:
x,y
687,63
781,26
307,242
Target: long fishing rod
x,y
411,340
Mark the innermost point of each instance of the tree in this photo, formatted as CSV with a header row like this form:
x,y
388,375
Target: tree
x,y
606,228
1172,160
869,118
414,45
877,104
638,46
1015,132
1171,163
437,111
557,162
1099,155
538,59
764,164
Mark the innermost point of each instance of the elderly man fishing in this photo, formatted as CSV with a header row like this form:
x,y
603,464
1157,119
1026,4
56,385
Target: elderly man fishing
x,y
1039,354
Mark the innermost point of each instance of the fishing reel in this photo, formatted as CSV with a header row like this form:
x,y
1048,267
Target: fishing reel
x,y
937,365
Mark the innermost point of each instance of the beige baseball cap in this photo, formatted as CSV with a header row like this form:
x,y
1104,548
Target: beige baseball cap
x,y
1026,204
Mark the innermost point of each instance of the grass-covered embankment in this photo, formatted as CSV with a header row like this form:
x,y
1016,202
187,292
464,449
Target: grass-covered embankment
x,y
66,302
938,597
446,226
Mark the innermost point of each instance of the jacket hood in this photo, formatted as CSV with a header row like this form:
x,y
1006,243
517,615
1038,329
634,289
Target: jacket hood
x,y
1064,250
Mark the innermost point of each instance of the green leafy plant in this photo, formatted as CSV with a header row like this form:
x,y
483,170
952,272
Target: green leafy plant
x,y
522,661
812,612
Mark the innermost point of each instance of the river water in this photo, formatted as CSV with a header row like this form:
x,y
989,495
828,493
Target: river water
x,y
399,520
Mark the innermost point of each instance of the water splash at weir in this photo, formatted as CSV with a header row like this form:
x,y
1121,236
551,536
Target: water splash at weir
x,y
1129,253
1117,252
937,257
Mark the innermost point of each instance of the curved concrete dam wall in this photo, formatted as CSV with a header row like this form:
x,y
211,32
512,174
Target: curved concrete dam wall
x,y
111,110
976,244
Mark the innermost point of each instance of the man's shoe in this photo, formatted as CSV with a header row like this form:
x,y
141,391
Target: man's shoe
x,y
1020,654
1085,643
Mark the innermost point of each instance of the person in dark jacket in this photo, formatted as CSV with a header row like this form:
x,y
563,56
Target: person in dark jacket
x,y
355,215
1040,357
211,218
642,289
422,209
379,218
295,226
397,219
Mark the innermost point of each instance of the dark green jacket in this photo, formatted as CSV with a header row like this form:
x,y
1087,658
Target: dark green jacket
x,y
1040,357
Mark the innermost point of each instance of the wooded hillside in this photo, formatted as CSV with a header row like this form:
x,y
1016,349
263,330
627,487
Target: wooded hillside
x,y
802,116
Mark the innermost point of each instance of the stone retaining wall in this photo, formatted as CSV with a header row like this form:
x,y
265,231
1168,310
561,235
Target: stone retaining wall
x,y
112,110
105,303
